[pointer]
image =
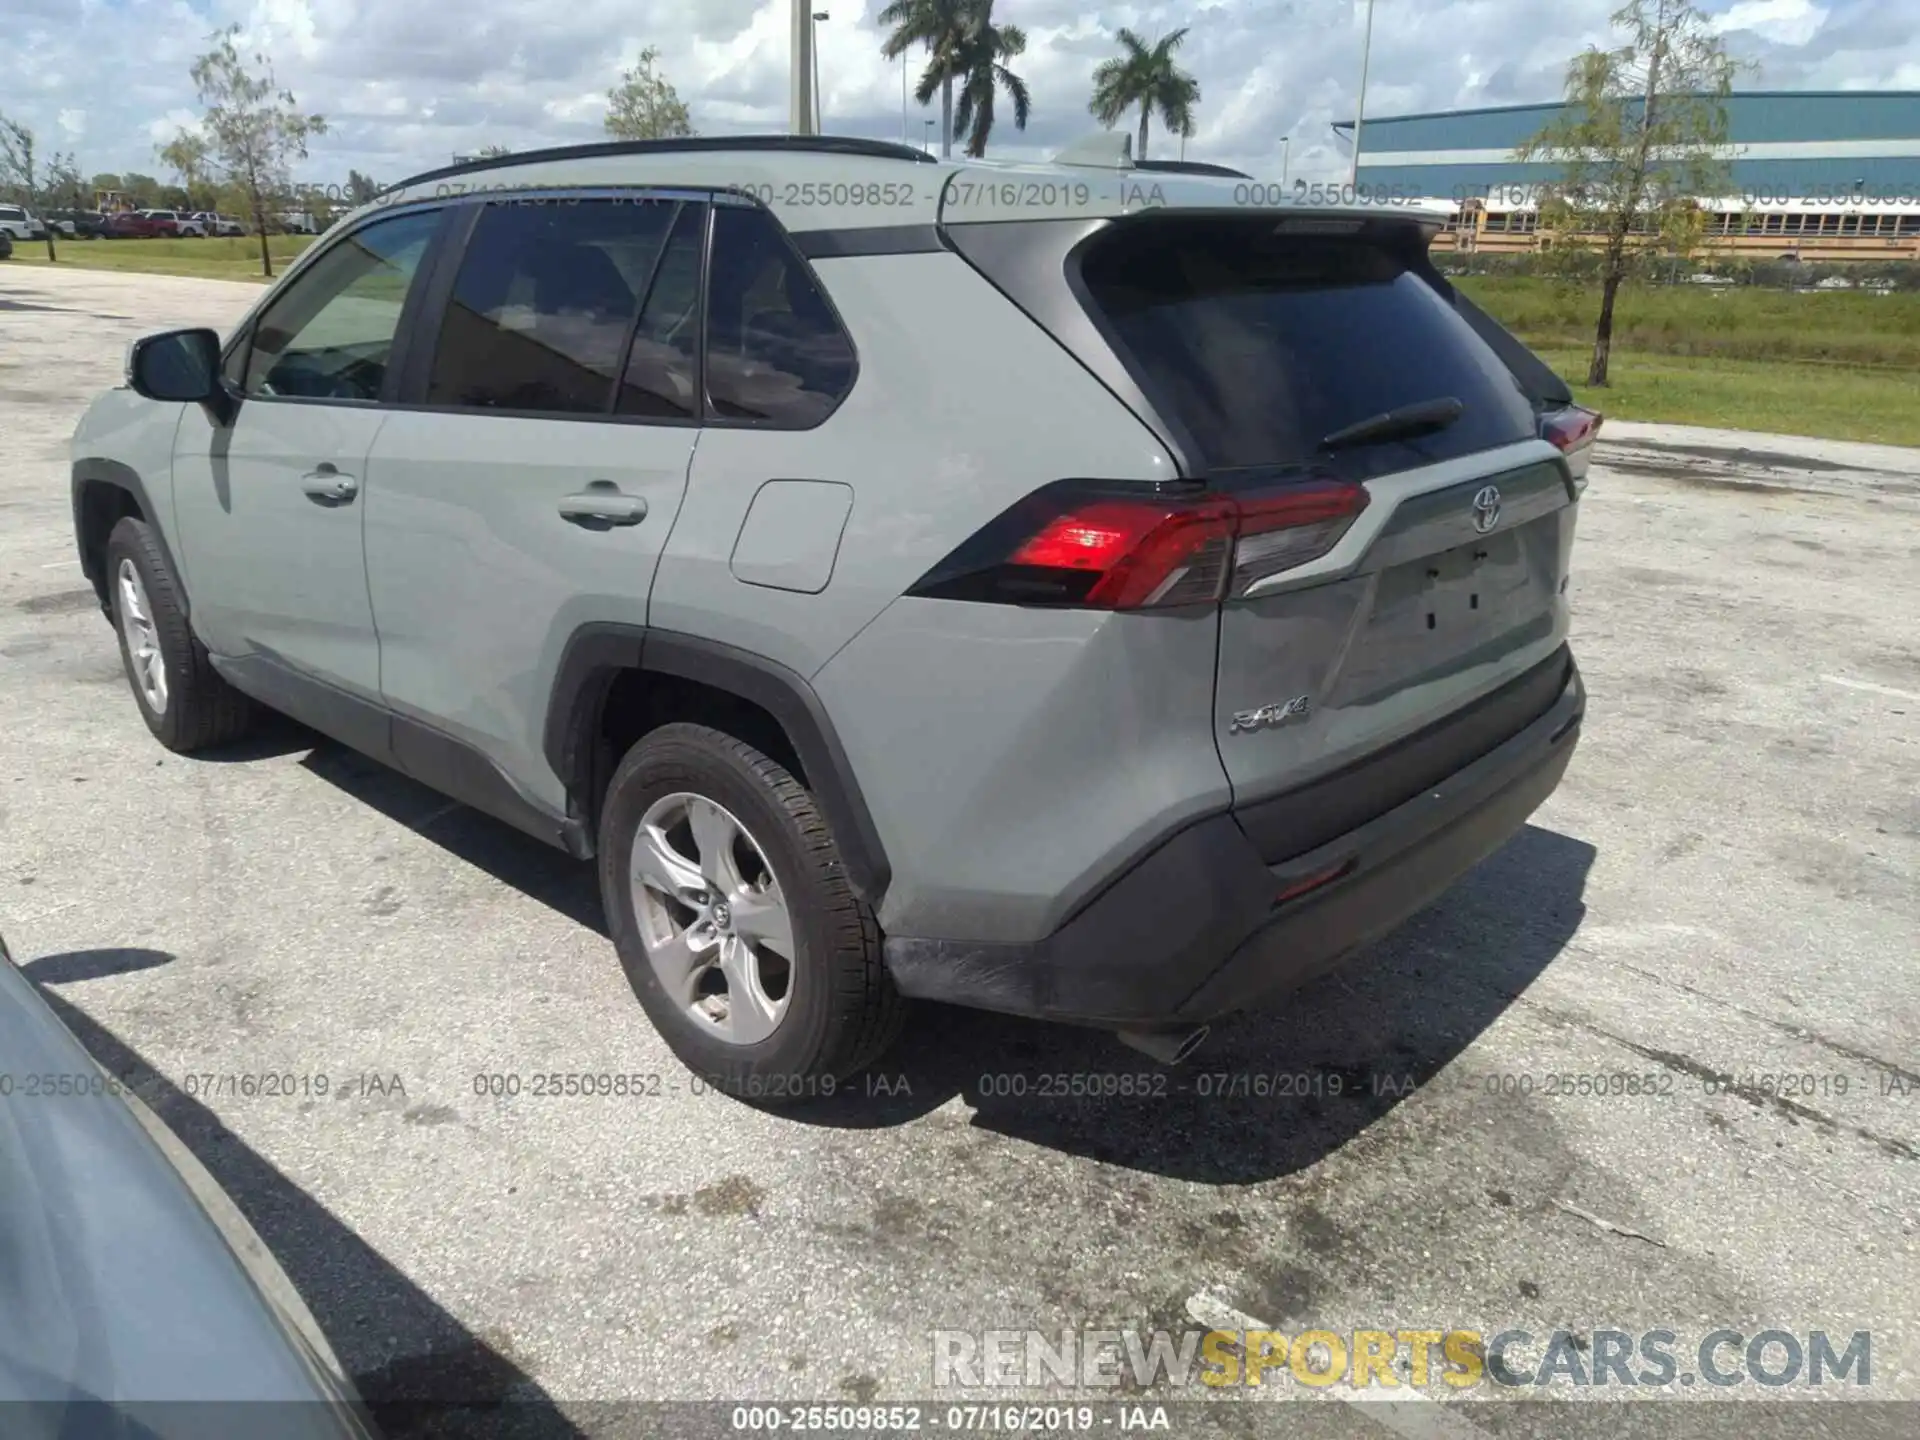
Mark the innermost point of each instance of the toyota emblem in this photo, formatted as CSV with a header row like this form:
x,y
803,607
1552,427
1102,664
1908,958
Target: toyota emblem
x,y
1486,509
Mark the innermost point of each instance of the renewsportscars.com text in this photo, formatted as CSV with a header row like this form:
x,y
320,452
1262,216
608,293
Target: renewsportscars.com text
x,y
1447,1359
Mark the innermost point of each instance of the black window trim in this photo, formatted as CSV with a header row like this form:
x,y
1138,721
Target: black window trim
x,y
646,297
240,345
452,247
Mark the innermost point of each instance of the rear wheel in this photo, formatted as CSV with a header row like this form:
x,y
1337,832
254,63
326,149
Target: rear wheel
x,y
185,703
732,916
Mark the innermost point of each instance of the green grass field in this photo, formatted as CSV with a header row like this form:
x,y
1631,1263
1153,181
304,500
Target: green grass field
x,y
227,258
1842,365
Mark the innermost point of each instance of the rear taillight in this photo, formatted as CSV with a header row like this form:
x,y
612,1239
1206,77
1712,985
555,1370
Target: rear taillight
x,y
1572,429
1107,547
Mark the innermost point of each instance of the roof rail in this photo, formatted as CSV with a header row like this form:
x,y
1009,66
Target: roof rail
x,y
1191,167
806,144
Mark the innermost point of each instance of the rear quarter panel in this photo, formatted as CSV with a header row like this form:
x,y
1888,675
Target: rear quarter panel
x,y
962,405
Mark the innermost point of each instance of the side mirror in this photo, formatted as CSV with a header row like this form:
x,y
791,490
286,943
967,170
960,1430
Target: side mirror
x,y
180,365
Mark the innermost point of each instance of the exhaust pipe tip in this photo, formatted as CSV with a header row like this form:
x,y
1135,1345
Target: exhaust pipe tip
x,y
1169,1047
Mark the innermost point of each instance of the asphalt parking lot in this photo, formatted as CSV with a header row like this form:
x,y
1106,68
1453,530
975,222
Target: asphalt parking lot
x,y
1725,889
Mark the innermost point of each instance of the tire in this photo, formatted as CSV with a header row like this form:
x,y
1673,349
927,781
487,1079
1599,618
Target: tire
x,y
192,708
840,1010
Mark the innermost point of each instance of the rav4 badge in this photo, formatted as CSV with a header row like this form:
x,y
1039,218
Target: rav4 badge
x,y
1267,716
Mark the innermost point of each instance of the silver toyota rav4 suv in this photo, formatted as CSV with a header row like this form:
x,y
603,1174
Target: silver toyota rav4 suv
x,y
1087,590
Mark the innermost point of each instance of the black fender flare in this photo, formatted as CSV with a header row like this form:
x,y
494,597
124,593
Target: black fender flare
x,y
595,653
97,470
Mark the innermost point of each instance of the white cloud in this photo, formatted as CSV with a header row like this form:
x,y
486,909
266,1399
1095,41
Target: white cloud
x,y
1782,22
405,86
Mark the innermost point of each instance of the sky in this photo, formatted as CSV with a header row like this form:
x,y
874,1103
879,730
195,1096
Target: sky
x,y
407,84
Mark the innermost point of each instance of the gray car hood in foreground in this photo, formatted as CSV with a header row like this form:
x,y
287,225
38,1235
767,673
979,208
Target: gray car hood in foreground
x,y
135,1300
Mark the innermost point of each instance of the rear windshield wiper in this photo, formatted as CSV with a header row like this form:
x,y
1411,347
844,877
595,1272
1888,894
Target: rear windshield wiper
x,y
1408,420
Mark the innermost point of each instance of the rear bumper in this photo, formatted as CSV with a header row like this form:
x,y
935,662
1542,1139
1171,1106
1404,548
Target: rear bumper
x,y
1195,929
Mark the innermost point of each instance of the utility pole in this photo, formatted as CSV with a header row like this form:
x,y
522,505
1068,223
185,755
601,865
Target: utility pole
x,y
813,44
800,70
1360,115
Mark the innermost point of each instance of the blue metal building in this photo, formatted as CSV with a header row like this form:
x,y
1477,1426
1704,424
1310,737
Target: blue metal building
x,y
1799,144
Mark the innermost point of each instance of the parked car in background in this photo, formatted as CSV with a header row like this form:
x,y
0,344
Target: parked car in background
x,y
298,222
131,225
1220,662
213,224
79,224
6,246
21,224
139,1298
176,223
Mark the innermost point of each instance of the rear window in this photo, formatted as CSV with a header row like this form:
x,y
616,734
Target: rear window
x,y
1261,344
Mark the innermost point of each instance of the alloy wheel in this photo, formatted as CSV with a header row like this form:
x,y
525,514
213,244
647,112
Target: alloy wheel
x,y
712,916
143,640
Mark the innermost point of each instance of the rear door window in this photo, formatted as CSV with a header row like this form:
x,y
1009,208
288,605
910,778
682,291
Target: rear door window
x,y
663,361
1260,344
545,302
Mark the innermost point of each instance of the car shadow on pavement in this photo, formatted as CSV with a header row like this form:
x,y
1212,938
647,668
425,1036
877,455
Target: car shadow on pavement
x,y
422,1373
1269,1094
1272,1091
541,871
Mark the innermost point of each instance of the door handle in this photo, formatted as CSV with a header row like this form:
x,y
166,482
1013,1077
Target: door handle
x,y
327,485
601,504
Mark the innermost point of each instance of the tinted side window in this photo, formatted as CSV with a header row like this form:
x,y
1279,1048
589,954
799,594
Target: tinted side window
x,y
776,355
1261,344
663,364
331,334
544,302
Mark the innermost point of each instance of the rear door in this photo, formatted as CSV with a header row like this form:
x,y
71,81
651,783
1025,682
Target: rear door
x,y
1269,346
528,484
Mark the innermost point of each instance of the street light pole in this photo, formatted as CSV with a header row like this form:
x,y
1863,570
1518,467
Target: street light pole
x,y
813,44
927,131
903,97
1360,115
1286,158
800,70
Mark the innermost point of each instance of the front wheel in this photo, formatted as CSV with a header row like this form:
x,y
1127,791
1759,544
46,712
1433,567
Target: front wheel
x,y
733,919
184,701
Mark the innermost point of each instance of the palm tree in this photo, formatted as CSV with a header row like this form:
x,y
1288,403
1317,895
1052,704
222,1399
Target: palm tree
x,y
982,75
1145,76
941,26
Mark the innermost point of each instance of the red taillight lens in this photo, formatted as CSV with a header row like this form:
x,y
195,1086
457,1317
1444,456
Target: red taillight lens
x,y
1571,428
1141,552
1078,543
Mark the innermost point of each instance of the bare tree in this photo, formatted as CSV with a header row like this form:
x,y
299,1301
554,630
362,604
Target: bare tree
x,y
22,170
254,129
66,186
1642,137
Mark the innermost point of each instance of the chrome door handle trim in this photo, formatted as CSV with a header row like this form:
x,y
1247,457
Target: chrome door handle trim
x,y
327,485
603,507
